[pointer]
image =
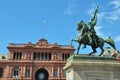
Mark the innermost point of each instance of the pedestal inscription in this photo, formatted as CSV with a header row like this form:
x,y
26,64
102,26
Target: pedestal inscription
x,y
97,75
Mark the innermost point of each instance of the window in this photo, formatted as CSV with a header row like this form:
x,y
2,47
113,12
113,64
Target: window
x,y
3,57
34,57
38,56
66,56
16,71
17,55
46,57
1,72
14,54
27,74
42,56
55,73
49,56
64,73
63,56
20,55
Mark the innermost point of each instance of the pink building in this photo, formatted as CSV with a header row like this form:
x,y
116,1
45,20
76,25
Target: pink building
x,y
40,61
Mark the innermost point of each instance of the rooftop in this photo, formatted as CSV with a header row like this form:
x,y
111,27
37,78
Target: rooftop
x,y
42,43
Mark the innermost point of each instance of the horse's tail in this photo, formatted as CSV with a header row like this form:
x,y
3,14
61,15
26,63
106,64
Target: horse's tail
x,y
110,42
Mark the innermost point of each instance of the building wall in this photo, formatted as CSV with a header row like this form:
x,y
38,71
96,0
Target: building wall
x,y
33,58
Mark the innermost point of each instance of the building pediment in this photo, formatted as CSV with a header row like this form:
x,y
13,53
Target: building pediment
x,y
55,45
42,42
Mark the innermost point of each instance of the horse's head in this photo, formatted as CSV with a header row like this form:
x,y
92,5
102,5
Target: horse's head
x,y
81,24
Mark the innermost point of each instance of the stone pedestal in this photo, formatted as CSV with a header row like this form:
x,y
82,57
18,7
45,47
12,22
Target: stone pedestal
x,y
92,68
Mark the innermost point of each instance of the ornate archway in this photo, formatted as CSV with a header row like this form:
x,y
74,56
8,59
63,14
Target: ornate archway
x,y
41,74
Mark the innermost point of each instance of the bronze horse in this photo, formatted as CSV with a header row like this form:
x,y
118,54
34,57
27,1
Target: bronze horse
x,y
83,38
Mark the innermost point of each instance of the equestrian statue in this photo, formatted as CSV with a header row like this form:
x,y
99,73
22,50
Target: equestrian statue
x,y
87,36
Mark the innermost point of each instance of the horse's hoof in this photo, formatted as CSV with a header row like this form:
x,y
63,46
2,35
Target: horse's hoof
x,y
90,54
100,55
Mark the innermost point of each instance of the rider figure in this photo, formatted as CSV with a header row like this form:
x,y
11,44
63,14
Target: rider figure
x,y
92,34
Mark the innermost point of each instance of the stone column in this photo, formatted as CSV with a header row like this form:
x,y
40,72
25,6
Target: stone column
x,y
31,55
7,71
52,56
24,71
31,71
36,55
52,71
22,55
9,55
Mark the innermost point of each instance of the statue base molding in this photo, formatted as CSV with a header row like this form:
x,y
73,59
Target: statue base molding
x,y
92,68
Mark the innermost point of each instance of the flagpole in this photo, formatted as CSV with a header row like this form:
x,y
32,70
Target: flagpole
x,y
43,27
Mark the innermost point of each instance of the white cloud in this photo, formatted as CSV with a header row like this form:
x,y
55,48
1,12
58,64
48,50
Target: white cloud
x,y
68,11
116,3
115,13
70,7
117,39
111,14
91,11
98,30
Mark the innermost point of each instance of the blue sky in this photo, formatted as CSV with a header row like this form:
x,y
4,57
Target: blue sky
x,y
21,21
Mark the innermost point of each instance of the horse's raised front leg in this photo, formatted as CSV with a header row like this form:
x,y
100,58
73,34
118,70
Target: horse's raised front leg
x,y
75,40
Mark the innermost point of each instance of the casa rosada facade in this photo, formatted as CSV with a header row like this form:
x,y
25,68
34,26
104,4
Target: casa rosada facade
x,y
40,61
